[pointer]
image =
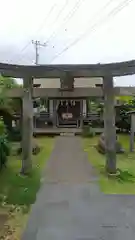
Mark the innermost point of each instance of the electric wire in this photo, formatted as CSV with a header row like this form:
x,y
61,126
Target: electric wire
x,y
115,11
70,14
38,30
66,19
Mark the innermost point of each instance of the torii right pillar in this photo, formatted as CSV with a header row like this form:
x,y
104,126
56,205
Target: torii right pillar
x,y
109,124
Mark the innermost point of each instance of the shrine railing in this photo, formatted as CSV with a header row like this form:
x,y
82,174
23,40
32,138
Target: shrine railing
x,y
42,115
93,116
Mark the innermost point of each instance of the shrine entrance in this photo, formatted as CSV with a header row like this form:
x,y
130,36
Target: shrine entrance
x,y
68,113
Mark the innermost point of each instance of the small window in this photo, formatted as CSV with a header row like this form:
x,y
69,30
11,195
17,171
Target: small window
x,y
99,85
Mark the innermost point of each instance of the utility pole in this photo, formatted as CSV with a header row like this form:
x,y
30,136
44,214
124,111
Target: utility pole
x,y
37,44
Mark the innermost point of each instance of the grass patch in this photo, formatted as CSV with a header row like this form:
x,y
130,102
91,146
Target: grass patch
x,y
125,182
17,193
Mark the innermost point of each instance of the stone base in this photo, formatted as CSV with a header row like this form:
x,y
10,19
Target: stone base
x,y
35,149
102,148
113,175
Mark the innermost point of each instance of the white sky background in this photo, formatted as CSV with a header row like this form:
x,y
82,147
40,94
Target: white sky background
x,y
107,36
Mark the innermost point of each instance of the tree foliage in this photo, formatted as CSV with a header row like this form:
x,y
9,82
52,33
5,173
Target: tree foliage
x,y
4,145
8,103
123,120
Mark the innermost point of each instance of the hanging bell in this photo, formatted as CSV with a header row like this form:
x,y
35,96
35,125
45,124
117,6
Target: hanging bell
x,y
73,103
66,103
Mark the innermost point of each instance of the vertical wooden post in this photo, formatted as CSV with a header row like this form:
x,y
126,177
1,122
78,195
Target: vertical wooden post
x,y
20,120
27,130
87,106
81,113
54,113
132,130
109,124
51,109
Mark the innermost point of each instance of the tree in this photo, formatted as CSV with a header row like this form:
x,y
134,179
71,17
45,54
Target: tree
x,y
123,117
9,104
125,99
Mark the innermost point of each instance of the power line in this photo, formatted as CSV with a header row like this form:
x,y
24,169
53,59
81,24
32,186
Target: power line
x,y
66,19
46,18
60,12
98,12
112,13
38,30
69,16
92,28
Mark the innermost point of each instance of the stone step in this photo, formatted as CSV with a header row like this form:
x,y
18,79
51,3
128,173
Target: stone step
x,y
67,134
67,126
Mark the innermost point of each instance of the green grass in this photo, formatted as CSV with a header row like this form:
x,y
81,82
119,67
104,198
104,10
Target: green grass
x,y
17,193
18,190
125,162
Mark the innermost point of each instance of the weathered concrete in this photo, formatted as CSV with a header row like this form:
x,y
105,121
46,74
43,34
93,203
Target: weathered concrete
x,y
70,206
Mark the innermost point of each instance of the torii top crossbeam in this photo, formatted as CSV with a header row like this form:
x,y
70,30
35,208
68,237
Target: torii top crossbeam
x,y
80,70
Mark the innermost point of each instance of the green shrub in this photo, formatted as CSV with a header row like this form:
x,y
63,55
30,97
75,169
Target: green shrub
x,y
4,145
2,127
88,131
15,135
125,176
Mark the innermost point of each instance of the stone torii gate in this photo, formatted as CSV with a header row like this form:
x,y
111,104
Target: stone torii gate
x,y
27,93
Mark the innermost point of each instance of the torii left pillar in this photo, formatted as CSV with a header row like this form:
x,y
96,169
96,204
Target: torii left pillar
x,y
109,124
27,125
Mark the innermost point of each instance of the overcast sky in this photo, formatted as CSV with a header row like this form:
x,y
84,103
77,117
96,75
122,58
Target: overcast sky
x,y
76,31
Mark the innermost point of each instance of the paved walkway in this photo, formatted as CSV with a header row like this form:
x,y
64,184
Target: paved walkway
x,y
70,206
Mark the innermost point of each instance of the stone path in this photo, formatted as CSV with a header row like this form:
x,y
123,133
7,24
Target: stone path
x,y
70,206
